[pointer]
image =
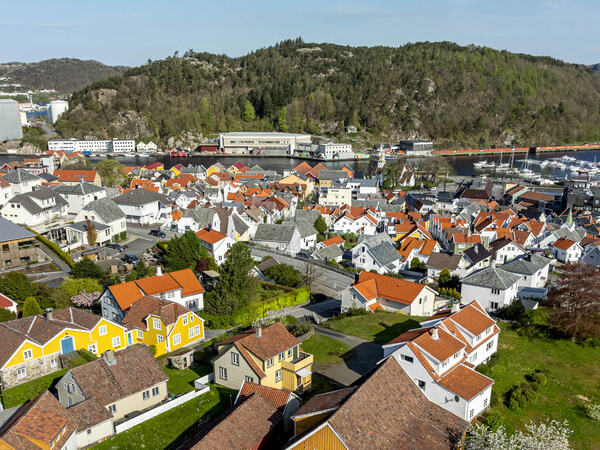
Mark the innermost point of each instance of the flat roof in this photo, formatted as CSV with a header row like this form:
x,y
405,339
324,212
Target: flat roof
x,y
264,134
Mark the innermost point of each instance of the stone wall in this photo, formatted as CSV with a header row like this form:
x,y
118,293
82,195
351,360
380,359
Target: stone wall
x,y
34,369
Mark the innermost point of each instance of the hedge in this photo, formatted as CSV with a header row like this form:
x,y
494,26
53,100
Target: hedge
x,y
22,393
55,248
248,314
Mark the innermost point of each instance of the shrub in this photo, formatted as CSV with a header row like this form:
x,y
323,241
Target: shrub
x,y
514,311
6,315
86,268
87,355
123,235
493,421
153,349
291,320
540,378
302,328
593,411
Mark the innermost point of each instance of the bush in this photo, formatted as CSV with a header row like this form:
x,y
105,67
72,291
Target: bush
x,y
592,410
450,292
284,274
493,421
86,268
123,235
514,311
153,349
87,355
74,286
540,378
52,246
291,320
6,315
302,328
520,395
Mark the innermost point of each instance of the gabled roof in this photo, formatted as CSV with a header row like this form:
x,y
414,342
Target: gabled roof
x,y
75,175
277,398
328,401
372,285
77,189
27,200
384,253
526,265
336,240
476,253
563,243
19,176
140,197
274,232
210,236
465,382
166,310
443,260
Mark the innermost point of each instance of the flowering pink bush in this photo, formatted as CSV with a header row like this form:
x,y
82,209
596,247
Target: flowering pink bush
x,y
85,299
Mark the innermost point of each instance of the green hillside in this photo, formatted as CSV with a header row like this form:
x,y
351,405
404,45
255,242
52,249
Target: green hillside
x,y
456,96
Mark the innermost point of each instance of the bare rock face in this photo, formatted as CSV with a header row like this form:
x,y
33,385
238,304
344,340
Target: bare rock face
x,y
106,96
187,139
509,138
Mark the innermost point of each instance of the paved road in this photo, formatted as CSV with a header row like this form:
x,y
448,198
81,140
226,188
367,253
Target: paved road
x,y
322,310
144,232
55,259
365,356
328,282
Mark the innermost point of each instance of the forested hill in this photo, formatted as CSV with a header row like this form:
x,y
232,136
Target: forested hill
x,y
463,96
63,75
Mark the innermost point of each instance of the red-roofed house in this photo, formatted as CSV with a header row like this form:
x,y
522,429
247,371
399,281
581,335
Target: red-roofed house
x,y
286,402
7,303
71,177
218,244
373,291
440,357
566,251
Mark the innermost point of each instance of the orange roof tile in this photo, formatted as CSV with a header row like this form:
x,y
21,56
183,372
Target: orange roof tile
x,y
473,319
210,236
125,293
157,284
465,382
75,175
276,397
336,240
563,244
372,285
188,282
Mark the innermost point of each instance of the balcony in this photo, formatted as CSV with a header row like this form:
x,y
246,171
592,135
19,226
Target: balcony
x,y
301,361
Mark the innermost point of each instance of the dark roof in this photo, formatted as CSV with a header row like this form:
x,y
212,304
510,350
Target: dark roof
x,y
269,262
272,232
106,209
140,197
82,226
135,370
19,176
440,260
77,189
10,231
332,174
388,410
244,427
492,277
526,264
328,401
384,253
476,253
26,200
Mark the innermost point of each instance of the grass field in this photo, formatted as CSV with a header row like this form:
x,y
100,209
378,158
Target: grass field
x,y
182,381
380,327
325,349
573,370
22,393
173,428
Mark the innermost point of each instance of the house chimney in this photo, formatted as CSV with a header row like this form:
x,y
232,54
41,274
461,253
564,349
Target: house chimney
x,y
258,330
109,357
158,271
455,307
434,334
48,313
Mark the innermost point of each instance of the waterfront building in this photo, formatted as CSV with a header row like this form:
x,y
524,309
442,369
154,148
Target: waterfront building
x,y
260,143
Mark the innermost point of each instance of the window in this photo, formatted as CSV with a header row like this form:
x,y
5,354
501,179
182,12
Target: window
x,y
269,362
494,305
159,338
421,384
249,379
222,373
471,413
290,353
102,330
278,375
496,291
235,359
27,354
146,395
282,356
112,408
21,373
93,348
191,333
191,315
54,362
197,330
489,345
89,431
407,358
116,341
177,339
156,324
155,391
140,334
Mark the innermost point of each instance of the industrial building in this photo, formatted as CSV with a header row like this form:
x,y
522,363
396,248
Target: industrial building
x,y
257,143
10,120
56,108
416,147
93,146
327,150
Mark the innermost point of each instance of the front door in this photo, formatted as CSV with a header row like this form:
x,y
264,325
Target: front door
x,y
67,345
129,338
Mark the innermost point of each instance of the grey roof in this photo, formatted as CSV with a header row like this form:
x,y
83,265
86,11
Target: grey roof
x,y
269,262
305,227
440,260
574,235
384,253
239,225
82,226
78,189
309,216
526,264
366,182
47,177
271,232
476,253
492,277
331,252
202,216
10,231
375,239
106,209
332,174
26,200
19,176
140,197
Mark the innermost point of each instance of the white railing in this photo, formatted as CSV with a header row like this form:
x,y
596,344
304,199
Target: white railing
x,y
160,409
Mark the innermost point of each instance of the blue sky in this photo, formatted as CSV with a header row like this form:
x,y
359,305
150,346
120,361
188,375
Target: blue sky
x,y
129,32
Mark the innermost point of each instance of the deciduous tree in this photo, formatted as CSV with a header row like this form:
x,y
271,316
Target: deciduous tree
x,y
86,268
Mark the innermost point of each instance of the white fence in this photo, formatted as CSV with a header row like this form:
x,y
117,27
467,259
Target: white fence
x,y
160,409
206,378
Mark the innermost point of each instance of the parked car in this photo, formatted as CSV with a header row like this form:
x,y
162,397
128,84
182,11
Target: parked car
x,y
158,233
119,247
131,258
302,254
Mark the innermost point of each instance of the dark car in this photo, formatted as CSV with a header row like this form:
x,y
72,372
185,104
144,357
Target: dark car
x,y
131,258
302,254
158,233
119,247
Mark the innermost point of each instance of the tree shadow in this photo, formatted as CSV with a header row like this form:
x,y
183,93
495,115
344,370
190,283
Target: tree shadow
x,y
392,331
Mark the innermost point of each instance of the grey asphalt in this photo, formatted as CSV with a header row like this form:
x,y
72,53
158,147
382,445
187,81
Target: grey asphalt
x,y
55,259
365,355
326,281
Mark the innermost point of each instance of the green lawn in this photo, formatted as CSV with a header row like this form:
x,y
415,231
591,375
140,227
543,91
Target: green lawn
x,y
325,349
22,393
380,327
182,381
173,428
572,370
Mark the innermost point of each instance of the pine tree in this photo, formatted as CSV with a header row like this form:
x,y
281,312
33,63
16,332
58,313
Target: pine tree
x,y
282,124
320,225
249,114
31,307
